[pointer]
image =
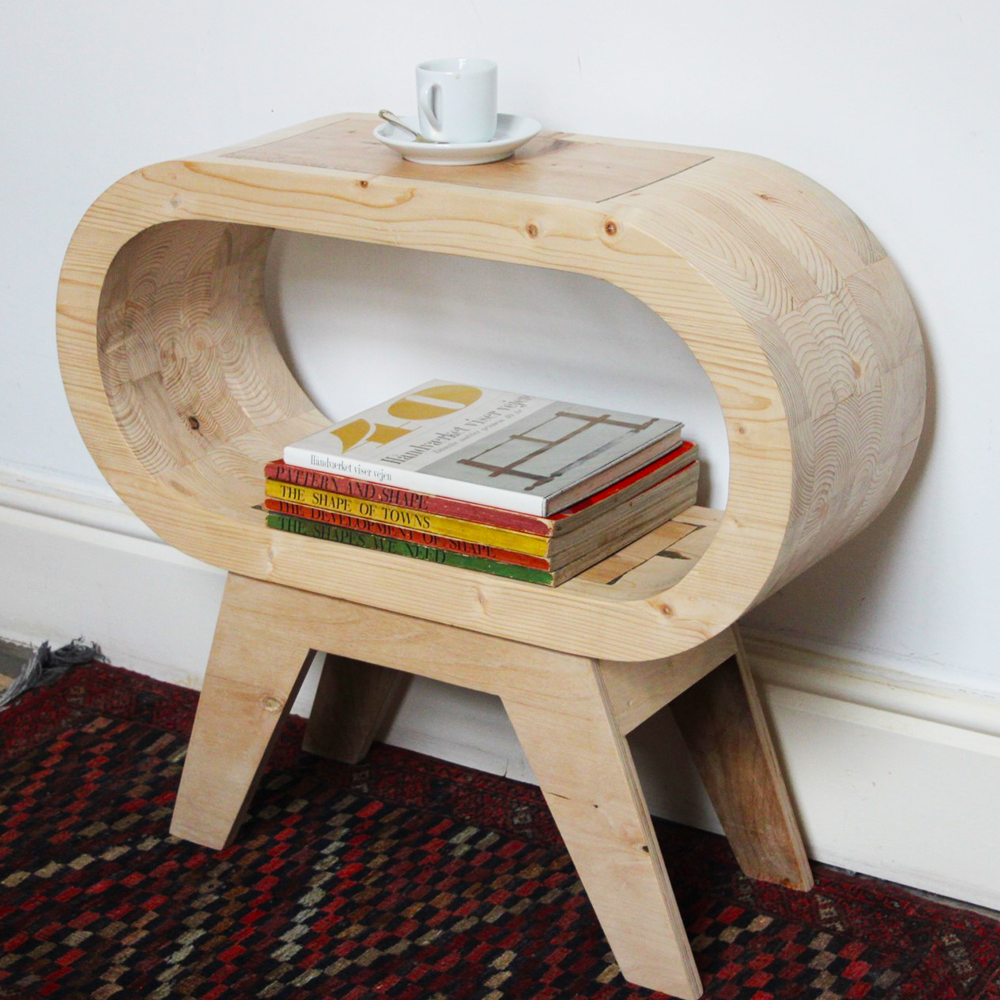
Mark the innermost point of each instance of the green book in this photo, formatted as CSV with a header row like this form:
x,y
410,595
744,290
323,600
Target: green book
x,y
397,546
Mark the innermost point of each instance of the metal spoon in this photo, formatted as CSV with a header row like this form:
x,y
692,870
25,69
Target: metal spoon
x,y
388,116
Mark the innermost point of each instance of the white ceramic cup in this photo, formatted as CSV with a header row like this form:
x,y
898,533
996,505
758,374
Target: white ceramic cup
x,y
457,99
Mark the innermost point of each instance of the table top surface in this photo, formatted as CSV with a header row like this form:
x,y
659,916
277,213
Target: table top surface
x,y
553,164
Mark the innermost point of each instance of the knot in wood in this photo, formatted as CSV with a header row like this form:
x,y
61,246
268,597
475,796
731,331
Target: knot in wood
x,y
611,227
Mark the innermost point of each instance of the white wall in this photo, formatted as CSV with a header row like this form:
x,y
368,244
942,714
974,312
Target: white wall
x,y
892,105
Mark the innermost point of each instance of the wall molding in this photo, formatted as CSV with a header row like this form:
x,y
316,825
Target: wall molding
x,y
879,697
36,491
892,775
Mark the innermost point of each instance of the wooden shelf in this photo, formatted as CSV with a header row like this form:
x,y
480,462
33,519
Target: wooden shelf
x,y
654,563
787,301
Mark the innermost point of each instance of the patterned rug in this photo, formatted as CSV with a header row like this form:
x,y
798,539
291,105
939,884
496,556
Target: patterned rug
x,y
402,877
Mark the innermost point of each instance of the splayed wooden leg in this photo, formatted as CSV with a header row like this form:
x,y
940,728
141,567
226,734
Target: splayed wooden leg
x,y
254,673
726,731
586,772
353,702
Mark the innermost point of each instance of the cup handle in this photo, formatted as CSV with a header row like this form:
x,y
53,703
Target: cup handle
x,y
428,96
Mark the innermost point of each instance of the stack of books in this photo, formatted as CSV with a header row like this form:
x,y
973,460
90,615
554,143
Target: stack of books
x,y
494,481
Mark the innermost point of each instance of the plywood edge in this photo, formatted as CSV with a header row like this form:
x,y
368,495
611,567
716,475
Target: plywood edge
x,y
637,691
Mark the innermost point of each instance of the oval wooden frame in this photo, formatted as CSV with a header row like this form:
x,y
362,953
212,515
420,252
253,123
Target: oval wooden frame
x,y
790,305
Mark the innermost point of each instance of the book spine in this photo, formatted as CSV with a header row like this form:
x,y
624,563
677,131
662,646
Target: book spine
x,y
420,482
635,530
406,534
396,546
435,524
374,492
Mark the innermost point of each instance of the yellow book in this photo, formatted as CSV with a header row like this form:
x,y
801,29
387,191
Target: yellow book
x,y
405,517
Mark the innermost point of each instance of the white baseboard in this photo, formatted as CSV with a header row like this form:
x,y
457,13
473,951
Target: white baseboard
x,y
891,775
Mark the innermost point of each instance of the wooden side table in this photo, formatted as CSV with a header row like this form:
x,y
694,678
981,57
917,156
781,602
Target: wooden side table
x,y
789,304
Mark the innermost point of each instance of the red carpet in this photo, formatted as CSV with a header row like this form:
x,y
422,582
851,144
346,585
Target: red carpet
x,y
402,877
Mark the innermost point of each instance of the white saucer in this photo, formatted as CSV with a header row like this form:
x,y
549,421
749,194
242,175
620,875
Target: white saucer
x,y
512,131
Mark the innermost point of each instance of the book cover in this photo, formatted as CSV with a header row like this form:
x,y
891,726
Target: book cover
x,y
571,518
406,534
488,446
345,536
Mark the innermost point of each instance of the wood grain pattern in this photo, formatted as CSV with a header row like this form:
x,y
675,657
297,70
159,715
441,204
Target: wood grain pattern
x,y
659,560
786,299
724,727
552,164
252,678
353,702
638,690
586,772
834,318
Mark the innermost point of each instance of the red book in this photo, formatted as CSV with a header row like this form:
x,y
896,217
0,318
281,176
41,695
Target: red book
x,y
581,513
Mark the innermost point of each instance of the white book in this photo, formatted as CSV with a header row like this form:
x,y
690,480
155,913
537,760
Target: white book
x,y
488,446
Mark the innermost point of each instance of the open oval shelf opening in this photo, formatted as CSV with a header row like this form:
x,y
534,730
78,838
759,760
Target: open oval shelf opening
x,y
357,323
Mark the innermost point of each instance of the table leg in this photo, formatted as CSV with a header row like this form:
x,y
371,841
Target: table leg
x,y
724,726
585,769
353,702
254,673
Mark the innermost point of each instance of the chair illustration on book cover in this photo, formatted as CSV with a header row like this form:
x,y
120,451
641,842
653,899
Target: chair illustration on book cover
x,y
789,304
551,456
